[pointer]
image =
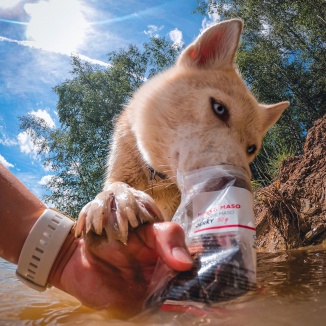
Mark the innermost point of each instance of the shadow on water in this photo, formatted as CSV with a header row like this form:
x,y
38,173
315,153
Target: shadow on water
x,y
291,291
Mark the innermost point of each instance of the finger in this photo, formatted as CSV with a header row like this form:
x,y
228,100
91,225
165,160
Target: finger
x,y
168,239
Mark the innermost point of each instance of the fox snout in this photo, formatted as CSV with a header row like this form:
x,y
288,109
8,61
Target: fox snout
x,y
204,151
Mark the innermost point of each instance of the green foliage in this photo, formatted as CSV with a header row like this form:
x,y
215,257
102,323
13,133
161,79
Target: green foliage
x,y
275,162
161,54
256,185
87,106
281,57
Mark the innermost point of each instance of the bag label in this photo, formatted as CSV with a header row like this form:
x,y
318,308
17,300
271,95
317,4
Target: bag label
x,y
222,211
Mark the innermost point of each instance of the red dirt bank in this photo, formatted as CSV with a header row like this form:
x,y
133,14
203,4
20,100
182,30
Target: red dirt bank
x,y
292,211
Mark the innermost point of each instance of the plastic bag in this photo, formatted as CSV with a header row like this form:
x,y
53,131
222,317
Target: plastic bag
x,y
216,213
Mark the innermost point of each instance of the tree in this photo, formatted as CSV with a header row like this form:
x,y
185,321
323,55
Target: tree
x,y
87,106
281,57
161,54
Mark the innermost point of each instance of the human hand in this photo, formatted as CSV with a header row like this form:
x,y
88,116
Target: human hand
x,y
115,276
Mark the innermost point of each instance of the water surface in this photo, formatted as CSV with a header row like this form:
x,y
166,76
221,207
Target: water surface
x,y
291,291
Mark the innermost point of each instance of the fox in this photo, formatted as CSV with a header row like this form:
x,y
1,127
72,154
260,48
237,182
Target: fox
x,y
196,114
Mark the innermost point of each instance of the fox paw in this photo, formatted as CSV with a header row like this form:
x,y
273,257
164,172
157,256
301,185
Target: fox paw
x,y
115,210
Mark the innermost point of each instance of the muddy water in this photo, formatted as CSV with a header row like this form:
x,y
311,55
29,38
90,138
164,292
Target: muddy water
x,y
291,291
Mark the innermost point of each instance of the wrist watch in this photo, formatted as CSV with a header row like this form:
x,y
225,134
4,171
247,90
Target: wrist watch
x,y
41,248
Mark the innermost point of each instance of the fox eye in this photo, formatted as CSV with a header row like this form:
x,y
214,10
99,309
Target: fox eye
x,y
251,149
219,109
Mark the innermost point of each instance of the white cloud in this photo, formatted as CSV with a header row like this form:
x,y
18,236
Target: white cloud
x,y
210,20
23,43
153,30
34,45
58,182
93,61
25,138
47,166
5,141
4,162
6,4
74,168
25,142
176,37
43,114
45,180
266,28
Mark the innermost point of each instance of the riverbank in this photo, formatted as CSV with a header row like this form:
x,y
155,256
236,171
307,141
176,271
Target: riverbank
x,y
291,212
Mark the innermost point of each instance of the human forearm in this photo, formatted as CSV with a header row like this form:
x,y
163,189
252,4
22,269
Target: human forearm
x,y
19,211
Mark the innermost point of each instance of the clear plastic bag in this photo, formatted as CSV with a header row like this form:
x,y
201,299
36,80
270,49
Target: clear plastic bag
x,y
216,213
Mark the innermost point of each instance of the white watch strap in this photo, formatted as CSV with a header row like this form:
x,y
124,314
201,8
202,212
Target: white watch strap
x,y
41,248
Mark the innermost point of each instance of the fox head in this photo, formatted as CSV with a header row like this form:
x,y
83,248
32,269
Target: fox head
x,y
200,113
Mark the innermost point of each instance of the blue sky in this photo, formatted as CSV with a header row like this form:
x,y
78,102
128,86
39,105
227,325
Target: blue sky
x,y
37,38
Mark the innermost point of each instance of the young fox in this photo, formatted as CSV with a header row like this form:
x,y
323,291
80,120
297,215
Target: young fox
x,y
198,113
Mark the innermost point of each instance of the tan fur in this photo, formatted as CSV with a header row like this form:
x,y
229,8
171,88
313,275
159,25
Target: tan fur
x,y
170,125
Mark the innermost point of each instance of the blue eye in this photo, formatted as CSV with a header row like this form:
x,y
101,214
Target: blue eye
x,y
251,149
219,109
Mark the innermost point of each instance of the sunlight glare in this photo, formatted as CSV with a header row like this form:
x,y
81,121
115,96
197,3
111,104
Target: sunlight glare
x,y
56,25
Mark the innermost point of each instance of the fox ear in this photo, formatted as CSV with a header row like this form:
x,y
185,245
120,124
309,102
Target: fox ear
x,y
215,48
271,113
